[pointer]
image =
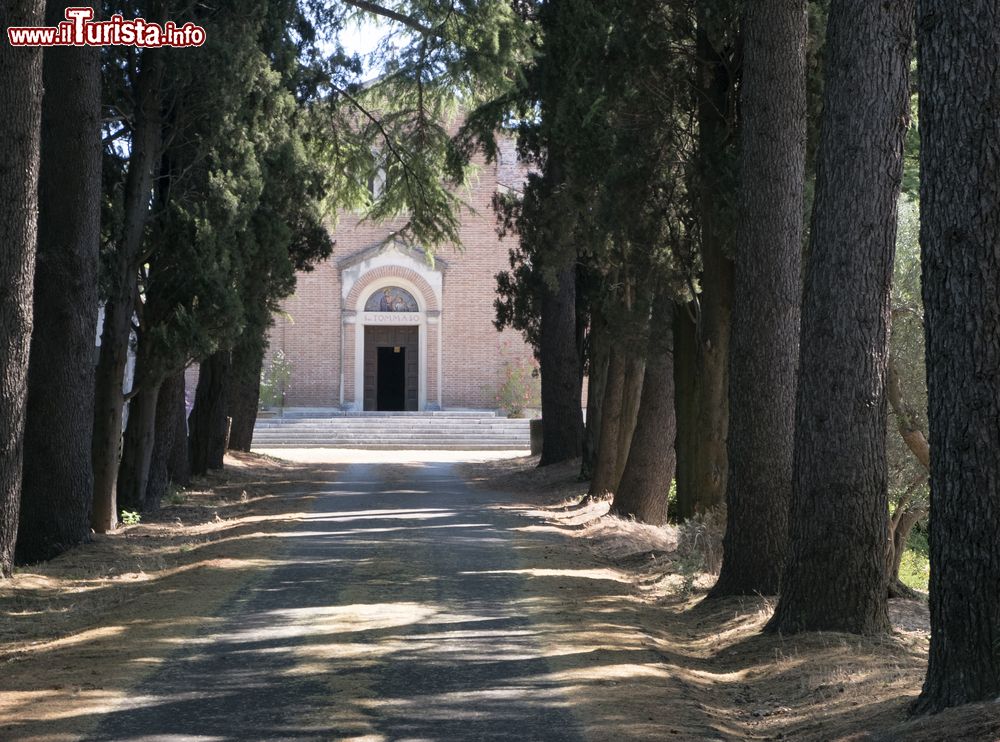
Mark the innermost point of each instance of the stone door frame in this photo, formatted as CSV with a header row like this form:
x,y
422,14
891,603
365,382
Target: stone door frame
x,y
424,284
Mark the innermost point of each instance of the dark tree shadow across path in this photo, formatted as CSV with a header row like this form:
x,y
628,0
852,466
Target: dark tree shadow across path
x,y
391,616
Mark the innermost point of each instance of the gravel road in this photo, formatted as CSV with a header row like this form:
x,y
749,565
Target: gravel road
x,y
388,615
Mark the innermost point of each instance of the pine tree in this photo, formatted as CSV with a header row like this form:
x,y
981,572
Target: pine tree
x,y
835,577
764,344
125,250
58,488
703,363
21,102
644,488
958,45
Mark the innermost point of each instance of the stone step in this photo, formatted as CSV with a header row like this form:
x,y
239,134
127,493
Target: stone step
x,y
413,446
452,430
384,419
384,434
384,430
474,425
389,436
300,413
395,425
407,444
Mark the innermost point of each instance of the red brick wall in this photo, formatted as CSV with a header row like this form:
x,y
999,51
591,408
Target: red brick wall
x,y
308,330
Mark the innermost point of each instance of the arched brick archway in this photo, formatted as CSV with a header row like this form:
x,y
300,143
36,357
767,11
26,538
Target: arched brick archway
x,y
362,327
369,281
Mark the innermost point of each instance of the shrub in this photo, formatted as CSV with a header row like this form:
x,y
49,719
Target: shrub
x,y
175,495
518,389
699,543
274,378
518,385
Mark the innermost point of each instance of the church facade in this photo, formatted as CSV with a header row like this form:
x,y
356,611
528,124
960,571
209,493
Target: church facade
x,y
381,326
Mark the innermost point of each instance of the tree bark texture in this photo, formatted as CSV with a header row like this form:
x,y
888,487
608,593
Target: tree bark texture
x,y
179,460
605,479
244,395
959,45
635,373
21,104
685,409
137,447
835,577
58,481
765,340
124,292
649,469
559,360
207,422
716,192
171,396
598,364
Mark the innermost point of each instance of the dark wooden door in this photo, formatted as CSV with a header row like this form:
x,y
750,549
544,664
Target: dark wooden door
x,y
390,379
394,336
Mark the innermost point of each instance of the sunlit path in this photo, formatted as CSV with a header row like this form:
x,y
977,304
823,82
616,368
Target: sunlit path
x,y
394,615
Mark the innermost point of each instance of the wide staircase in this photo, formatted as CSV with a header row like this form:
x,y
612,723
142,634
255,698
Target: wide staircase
x,y
451,431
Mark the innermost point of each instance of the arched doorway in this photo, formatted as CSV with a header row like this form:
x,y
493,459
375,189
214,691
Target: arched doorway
x,y
391,298
391,351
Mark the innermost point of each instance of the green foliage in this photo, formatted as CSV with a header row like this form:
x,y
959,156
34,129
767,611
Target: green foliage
x,y
907,478
909,489
130,518
605,114
915,568
518,388
441,59
911,151
240,196
274,378
175,494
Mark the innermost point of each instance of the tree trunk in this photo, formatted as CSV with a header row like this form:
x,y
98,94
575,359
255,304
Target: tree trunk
x,y
712,429
900,526
959,44
124,292
835,577
21,103
244,395
635,372
559,360
905,517
685,409
906,419
58,479
605,477
649,468
765,340
179,459
599,351
208,418
716,187
170,397
137,449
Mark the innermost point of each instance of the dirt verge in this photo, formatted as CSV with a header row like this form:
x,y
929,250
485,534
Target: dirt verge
x,y
718,677
80,631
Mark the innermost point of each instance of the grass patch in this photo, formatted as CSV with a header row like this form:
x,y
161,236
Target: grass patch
x,y
915,568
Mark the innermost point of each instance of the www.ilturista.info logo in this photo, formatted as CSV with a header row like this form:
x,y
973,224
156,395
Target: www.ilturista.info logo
x,y
79,29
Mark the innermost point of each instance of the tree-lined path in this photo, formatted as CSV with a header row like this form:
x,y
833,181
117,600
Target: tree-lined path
x,y
396,612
